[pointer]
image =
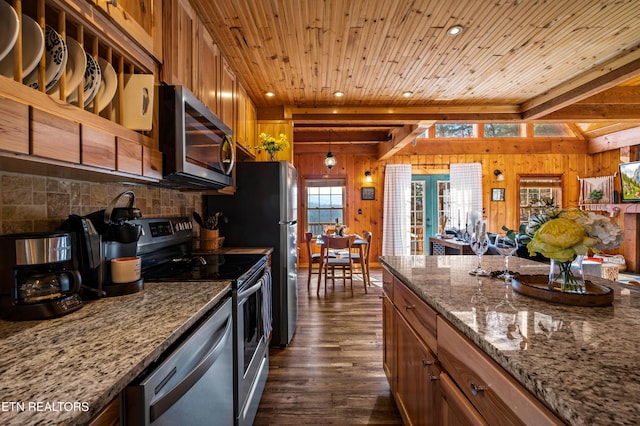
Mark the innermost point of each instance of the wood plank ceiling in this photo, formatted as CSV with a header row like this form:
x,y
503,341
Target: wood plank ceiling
x,y
515,60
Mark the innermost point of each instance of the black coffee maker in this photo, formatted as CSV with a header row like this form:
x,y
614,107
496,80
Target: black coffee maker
x,y
38,277
120,236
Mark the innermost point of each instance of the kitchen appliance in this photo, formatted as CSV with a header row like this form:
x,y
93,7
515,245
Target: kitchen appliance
x,y
197,146
191,384
38,278
263,213
102,236
165,250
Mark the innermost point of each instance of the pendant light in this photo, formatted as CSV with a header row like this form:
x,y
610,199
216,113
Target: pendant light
x,y
330,160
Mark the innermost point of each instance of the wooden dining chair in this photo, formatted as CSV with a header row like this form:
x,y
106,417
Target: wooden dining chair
x,y
362,262
342,264
314,258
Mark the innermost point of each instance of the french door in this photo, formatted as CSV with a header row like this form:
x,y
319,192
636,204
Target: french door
x,y
430,201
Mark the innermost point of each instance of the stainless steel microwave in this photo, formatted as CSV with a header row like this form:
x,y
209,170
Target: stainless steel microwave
x,y
197,146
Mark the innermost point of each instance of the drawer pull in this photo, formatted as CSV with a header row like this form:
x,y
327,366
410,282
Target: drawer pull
x,y
476,389
433,378
409,307
426,363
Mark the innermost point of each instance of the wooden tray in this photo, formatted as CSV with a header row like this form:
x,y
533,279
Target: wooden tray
x,y
536,286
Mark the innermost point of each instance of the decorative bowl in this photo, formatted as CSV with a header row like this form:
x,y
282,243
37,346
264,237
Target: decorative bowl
x,y
108,85
32,49
76,64
56,55
92,78
9,24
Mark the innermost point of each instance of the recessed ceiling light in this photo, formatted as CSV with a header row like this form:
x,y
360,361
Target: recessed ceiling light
x,y
269,94
455,30
407,94
338,94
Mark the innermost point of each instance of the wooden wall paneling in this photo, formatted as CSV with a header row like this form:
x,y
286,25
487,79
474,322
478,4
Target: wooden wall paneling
x,y
274,128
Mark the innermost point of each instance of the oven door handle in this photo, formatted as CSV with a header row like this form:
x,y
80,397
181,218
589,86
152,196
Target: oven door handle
x,y
158,408
242,295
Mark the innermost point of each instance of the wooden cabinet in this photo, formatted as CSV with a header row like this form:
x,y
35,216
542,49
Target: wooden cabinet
x,y
455,408
109,416
15,119
98,148
151,163
140,19
388,325
251,117
495,394
129,156
417,376
55,137
438,376
240,128
227,94
179,36
208,70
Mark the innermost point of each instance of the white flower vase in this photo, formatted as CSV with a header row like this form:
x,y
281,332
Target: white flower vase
x,y
569,275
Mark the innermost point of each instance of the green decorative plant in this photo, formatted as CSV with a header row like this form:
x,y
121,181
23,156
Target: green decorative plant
x,y
596,195
271,144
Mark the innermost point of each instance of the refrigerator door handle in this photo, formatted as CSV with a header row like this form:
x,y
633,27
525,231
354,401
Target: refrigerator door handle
x,y
290,222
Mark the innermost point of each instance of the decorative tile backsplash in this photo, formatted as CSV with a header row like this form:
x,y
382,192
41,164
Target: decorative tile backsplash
x,y
30,203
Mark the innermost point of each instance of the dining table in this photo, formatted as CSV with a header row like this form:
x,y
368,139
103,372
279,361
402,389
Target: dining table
x,y
360,243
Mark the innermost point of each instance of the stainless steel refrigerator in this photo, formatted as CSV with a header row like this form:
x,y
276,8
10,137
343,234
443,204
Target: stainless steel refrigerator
x,y
264,213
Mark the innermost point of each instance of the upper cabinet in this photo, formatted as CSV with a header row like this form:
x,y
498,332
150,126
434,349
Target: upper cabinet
x,y
141,19
227,94
181,23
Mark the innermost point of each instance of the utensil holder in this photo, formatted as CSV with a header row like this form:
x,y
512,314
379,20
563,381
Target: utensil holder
x,y
208,239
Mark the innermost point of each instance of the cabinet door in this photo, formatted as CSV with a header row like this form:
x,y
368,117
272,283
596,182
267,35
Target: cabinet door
x,y
227,94
388,342
417,391
208,70
98,148
15,121
179,43
455,408
54,137
240,129
251,115
129,157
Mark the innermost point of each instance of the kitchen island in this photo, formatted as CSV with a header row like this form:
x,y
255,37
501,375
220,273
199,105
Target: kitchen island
x,y
66,370
580,362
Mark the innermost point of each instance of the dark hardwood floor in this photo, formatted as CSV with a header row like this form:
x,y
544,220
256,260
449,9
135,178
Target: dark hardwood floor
x,y
331,373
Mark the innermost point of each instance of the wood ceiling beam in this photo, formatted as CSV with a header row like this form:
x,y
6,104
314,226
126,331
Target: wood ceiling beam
x,y
337,136
590,113
617,95
612,141
587,85
401,138
498,146
408,118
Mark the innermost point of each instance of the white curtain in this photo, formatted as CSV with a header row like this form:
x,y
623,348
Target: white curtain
x,y
465,182
396,237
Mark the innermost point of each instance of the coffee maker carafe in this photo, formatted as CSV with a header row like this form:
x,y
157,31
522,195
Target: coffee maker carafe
x,y
38,279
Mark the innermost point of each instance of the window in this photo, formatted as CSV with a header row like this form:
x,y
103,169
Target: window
x,y
551,130
461,130
325,204
538,193
506,130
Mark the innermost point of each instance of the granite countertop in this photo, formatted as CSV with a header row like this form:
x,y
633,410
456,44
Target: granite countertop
x,y
582,362
65,370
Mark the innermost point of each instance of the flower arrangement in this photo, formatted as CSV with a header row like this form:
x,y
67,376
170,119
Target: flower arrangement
x,y
271,144
561,235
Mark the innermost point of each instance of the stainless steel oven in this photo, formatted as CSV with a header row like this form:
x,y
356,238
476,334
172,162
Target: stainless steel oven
x,y
252,350
165,248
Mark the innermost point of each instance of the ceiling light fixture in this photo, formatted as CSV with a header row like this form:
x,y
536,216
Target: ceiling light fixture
x,y
455,30
499,175
330,160
407,94
269,94
338,94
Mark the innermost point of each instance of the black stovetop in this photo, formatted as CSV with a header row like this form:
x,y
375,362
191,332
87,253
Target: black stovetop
x,y
210,267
